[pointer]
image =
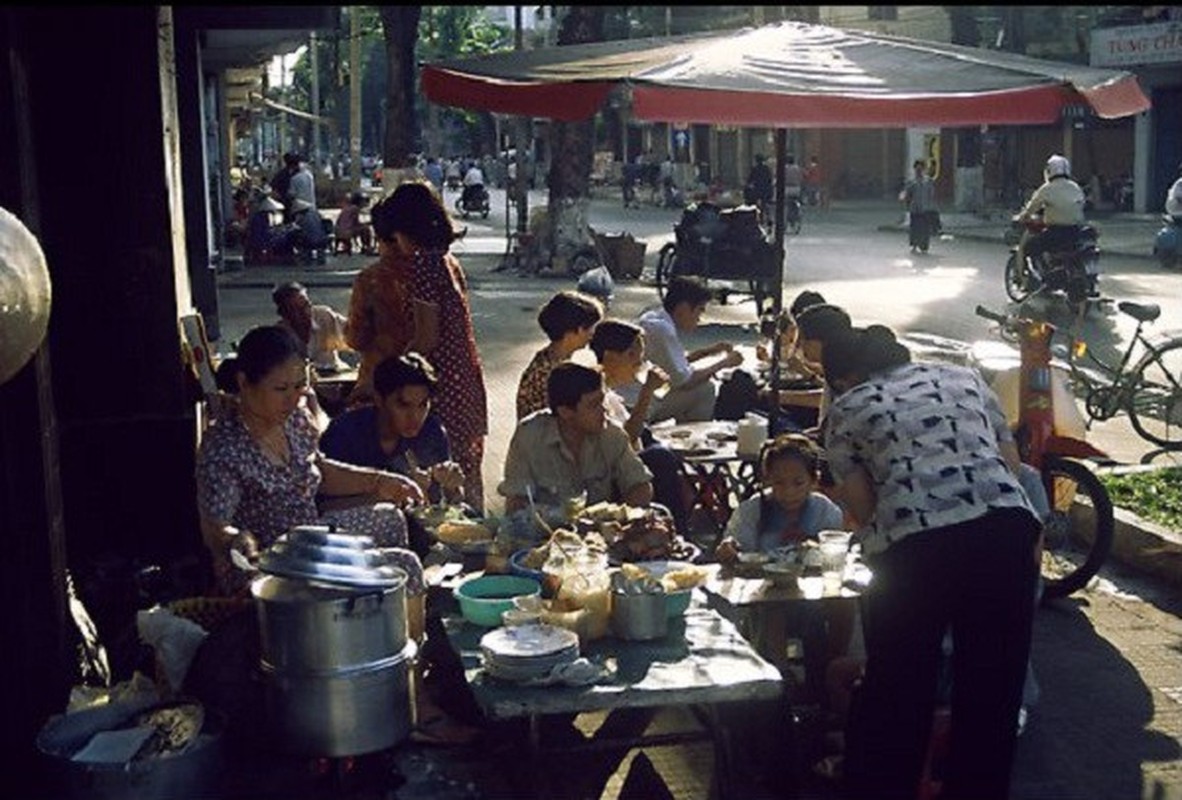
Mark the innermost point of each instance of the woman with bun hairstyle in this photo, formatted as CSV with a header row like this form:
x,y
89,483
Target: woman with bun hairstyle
x,y
259,469
927,467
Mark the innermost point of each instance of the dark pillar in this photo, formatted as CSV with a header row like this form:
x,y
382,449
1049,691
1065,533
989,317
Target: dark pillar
x,y
101,111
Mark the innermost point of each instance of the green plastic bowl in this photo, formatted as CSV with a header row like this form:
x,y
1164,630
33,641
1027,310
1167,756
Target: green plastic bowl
x,y
483,598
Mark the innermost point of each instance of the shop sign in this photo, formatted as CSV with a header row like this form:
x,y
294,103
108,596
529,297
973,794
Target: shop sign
x,y
1160,43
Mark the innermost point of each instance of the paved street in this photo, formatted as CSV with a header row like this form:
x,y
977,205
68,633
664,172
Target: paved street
x,y
1108,659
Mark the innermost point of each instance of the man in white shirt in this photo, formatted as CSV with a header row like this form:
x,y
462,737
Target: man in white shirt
x,y
473,182
1060,204
318,327
693,389
302,185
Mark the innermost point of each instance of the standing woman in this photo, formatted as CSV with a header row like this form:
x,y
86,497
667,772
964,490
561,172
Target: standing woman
x,y
380,324
259,469
422,232
927,466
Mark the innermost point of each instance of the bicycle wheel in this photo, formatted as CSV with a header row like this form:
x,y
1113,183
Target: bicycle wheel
x,y
1155,404
1077,536
665,267
1018,280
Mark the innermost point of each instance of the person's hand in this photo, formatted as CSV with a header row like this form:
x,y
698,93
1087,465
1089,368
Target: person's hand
x,y
655,379
727,551
449,475
242,548
398,489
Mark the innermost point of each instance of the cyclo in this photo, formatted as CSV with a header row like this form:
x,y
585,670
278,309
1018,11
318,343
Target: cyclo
x,y
714,243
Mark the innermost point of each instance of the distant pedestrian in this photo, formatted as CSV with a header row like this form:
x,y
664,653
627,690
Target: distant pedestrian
x,y
920,198
302,185
434,173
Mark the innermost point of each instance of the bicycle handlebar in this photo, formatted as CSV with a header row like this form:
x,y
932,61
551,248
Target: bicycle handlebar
x,y
1001,319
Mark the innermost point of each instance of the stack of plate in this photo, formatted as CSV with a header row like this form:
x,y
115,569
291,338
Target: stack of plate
x,y
526,652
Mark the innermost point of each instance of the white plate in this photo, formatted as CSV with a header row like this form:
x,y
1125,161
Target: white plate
x,y
528,640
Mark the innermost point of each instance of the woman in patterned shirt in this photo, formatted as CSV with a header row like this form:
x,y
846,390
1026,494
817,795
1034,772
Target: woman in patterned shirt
x,y
925,461
259,470
419,231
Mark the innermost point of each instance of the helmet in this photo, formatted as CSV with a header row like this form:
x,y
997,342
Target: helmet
x,y
597,282
1057,166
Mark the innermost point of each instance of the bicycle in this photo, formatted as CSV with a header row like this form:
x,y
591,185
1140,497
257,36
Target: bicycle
x,y
1150,390
1077,536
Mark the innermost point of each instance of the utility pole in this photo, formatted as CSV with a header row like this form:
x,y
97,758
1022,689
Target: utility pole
x,y
521,141
355,97
315,104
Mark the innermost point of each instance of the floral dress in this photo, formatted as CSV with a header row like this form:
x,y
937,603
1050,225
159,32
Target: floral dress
x,y
531,391
461,401
238,485
380,324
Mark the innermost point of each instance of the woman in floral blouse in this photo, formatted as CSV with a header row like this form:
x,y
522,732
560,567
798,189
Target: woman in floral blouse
x,y
259,470
416,227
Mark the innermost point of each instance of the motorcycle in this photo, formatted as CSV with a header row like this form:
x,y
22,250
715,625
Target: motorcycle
x,y
1167,246
1072,271
474,200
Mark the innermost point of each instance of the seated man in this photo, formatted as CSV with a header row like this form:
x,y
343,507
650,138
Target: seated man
x,y
310,238
570,448
400,433
693,392
349,226
318,327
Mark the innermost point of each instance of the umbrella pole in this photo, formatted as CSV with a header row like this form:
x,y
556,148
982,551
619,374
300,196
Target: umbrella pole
x,y
775,412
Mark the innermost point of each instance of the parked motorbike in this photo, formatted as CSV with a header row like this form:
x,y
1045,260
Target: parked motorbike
x,y
1072,271
1167,246
474,200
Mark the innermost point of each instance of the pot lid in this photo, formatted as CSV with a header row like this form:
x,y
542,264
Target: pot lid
x,y
24,295
337,562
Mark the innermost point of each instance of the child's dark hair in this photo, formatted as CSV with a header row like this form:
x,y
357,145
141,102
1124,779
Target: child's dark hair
x,y
613,335
790,447
567,312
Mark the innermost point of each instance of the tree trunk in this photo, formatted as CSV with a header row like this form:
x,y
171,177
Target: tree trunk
x,y
400,27
571,145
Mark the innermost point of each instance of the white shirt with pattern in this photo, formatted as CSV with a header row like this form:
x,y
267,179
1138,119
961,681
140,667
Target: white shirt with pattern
x,y
928,435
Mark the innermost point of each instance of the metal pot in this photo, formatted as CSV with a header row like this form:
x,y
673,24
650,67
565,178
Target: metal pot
x,y
342,712
308,627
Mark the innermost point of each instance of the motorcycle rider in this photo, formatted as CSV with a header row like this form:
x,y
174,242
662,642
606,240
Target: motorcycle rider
x,y
473,185
1059,202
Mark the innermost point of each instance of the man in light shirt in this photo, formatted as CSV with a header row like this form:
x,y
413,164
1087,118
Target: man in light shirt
x,y
1060,204
693,388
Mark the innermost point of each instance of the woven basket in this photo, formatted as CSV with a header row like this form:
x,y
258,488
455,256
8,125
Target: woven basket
x,y
209,612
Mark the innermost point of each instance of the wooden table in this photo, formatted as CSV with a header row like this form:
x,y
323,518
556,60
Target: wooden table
x,y
702,663
758,602
722,476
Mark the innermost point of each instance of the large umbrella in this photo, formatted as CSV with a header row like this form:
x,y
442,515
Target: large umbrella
x,y
787,74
